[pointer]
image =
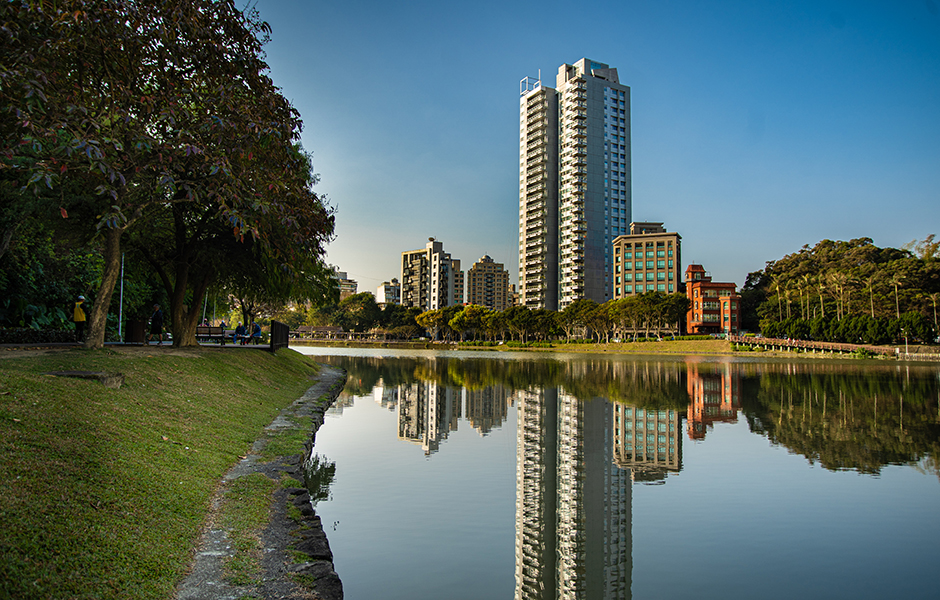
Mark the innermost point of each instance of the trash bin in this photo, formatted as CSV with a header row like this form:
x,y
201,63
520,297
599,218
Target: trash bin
x,y
136,331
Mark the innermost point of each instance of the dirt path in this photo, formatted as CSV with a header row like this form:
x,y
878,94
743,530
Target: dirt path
x,y
284,537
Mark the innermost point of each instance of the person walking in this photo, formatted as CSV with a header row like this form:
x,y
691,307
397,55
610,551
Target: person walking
x,y
156,325
78,316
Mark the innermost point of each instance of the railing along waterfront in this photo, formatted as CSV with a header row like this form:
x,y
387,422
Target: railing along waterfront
x,y
815,346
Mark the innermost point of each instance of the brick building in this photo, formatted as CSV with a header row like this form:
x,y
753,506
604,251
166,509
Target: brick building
x,y
716,307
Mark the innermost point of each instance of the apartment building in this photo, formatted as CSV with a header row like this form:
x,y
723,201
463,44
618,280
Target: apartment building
x,y
431,278
648,259
488,284
388,292
716,307
347,287
575,183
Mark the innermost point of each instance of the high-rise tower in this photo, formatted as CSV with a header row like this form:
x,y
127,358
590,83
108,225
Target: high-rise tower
x,y
574,183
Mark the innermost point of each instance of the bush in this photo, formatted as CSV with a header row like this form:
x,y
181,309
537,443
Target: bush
x,y
26,335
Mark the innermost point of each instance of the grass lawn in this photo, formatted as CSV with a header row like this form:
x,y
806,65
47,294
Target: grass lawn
x,y
103,491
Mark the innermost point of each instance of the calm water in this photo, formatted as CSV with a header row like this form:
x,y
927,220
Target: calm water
x,y
496,476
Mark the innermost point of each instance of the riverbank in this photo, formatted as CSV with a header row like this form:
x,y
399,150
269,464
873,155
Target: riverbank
x,y
106,489
680,347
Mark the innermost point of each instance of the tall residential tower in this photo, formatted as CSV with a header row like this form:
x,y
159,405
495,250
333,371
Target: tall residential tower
x,y
574,183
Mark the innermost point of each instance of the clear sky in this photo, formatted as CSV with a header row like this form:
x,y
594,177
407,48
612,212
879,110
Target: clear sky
x,y
758,127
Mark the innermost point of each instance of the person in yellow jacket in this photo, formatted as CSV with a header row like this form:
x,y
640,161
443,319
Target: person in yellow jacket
x,y
79,317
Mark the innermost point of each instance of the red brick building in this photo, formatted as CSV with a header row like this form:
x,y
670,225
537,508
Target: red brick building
x,y
716,307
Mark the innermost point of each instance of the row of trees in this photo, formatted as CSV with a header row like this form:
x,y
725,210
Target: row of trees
x,y
848,292
653,313
152,129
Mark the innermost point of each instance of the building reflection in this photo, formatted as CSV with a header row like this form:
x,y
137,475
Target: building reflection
x,y
714,397
574,494
427,412
647,441
386,397
487,408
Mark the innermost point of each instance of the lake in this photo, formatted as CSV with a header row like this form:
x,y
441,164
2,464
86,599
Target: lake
x,y
548,475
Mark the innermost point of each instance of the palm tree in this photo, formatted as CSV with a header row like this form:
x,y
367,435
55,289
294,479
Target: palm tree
x,y
870,281
896,279
934,297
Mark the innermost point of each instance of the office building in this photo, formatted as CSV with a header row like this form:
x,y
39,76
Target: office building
x,y
488,284
430,278
574,183
716,307
648,259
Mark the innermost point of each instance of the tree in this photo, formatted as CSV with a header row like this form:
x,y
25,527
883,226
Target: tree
x,y
358,312
573,316
519,319
152,104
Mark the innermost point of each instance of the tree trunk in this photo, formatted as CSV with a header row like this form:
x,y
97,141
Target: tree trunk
x,y
185,319
98,321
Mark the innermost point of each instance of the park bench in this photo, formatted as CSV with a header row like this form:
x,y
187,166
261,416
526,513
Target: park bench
x,y
211,332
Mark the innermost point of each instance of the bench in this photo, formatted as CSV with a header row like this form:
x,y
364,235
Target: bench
x,y
211,332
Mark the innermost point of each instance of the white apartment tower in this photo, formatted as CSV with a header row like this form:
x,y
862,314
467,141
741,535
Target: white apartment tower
x,y
430,278
574,184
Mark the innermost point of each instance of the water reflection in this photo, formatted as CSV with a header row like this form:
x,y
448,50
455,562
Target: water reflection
x,y
589,428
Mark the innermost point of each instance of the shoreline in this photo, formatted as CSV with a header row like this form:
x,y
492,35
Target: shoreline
x,y
293,528
716,347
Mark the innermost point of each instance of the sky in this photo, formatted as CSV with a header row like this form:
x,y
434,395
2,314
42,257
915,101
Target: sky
x,y
757,127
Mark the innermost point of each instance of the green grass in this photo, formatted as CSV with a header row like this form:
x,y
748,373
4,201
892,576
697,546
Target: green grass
x,y
245,511
288,441
104,491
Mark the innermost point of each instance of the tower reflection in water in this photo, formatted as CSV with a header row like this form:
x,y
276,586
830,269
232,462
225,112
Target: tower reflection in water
x,y
576,463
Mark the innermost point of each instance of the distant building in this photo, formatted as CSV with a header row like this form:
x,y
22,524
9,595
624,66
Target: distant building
x,y
648,259
488,284
716,307
347,287
430,278
389,292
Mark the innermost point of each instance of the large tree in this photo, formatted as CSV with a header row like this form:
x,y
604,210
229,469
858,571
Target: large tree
x,y
153,104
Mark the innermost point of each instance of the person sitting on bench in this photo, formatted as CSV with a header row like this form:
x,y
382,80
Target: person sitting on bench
x,y
240,334
255,336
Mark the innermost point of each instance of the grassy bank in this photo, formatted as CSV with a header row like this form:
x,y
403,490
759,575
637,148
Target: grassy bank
x,y
103,491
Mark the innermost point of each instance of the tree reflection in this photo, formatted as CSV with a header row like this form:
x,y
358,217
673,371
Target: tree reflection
x,y
843,416
847,418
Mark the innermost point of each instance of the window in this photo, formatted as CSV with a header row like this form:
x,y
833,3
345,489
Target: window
x,y
650,275
628,277
649,254
649,264
618,291
660,264
661,253
661,287
660,276
628,289
639,266
649,287
628,255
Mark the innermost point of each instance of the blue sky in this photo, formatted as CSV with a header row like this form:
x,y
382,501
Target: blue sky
x,y
758,127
